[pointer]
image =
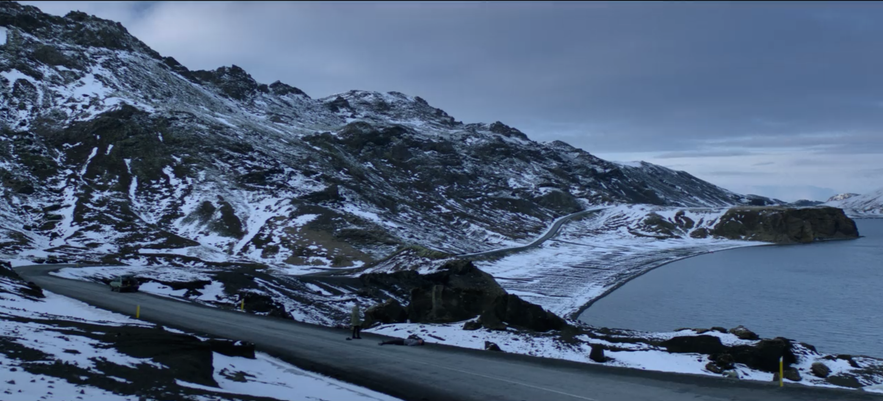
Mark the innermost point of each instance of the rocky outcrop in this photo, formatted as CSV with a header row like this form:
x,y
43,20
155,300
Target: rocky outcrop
x,y
16,283
390,311
819,369
489,346
743,333
597,353
510,310
458,291
761,356
784,225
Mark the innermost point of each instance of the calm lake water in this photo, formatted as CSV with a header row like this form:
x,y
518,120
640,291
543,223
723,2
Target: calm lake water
x,y
825,294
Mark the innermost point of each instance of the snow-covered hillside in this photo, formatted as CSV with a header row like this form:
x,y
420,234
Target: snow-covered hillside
x,y
110,151
56,348
869,205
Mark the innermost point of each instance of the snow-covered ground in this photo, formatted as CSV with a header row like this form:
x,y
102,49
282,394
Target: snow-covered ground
x,y
593,255
869,205
36,334
637,356
586,259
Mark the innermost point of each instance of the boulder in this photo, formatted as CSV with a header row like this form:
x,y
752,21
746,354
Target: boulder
x,y
713,368
762,356
844,380
489,346
701,344
597,353
765,354
743,333
725,361
471,325
731,374
389,311
793,374
491,321
820,370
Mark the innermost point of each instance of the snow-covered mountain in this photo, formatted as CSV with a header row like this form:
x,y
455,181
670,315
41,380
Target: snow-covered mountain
x,y
867,205
109,150
841,197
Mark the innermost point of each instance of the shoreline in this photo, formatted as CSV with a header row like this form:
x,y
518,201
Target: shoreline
x,y
575,316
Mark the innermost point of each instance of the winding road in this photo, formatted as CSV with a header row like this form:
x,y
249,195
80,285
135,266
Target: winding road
x,y
432,372
551,232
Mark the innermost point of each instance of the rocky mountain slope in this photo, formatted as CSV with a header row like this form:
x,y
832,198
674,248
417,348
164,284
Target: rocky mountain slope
x,y
868,205
110,151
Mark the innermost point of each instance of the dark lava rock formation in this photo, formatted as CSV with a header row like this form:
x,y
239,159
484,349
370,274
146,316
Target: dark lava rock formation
x,y
785,226
458,291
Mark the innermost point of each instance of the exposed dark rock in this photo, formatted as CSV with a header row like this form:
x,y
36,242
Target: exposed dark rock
x,y
809,347
844,380
390,311
792,374
489,346
471,325
762,356
507,131
231,348
27,289
281,89
783,225
719,329
713,368
459,291
190,357
694,344
743,333
338,104
699,233
724,361
232,81
597,353
820,370
516,312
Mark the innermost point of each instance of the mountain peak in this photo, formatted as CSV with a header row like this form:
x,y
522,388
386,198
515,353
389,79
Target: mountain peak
x,y
76,28
840,197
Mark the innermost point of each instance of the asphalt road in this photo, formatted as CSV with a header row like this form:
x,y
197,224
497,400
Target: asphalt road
x,y
551,232
431,372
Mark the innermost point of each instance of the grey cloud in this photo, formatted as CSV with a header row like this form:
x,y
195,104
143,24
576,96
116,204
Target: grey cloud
x,y
704,153
739,173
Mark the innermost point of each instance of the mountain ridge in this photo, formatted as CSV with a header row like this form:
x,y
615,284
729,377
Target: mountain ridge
x,y
110,149
869,205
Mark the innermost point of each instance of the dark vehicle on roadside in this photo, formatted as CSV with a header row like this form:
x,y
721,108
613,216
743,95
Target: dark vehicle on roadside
x,y
124,283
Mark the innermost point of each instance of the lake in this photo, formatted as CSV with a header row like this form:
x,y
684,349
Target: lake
x,y
825,294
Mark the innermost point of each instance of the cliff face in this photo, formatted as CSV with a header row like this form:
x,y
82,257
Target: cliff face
x,y
785,226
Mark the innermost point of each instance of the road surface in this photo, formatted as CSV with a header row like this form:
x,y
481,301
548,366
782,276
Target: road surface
x,y
551,232
432,372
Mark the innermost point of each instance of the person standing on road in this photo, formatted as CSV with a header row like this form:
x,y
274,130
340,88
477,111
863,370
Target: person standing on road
x,y
357,322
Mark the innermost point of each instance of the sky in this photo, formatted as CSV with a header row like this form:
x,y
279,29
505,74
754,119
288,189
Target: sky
x,y
777,99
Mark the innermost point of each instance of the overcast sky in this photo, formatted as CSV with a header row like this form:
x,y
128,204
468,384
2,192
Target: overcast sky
x,y
779,99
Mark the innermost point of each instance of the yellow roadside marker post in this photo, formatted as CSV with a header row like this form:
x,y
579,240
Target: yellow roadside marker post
x,y
781,371
138,312
242,305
